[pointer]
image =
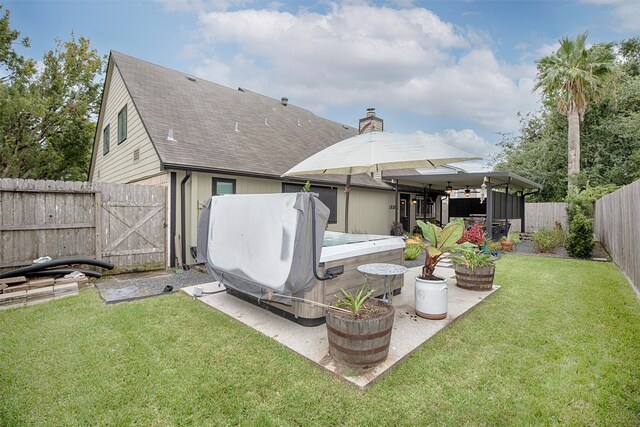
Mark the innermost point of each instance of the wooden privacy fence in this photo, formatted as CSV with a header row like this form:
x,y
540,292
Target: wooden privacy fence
x,y
120,223
617,226
545,215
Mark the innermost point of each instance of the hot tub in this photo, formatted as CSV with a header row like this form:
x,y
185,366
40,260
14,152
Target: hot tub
x,y
336,245
273,250
346,251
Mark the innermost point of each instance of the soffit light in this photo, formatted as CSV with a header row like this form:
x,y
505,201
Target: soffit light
x,y
448,189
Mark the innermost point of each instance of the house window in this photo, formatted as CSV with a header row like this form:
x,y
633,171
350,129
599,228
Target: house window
x,y
327,195
105,141
122,124
221,186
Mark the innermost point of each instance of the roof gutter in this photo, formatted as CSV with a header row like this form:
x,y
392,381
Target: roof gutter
x,y
169,166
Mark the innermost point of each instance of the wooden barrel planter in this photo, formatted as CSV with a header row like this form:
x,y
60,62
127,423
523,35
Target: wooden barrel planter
x,y
480,279
360,343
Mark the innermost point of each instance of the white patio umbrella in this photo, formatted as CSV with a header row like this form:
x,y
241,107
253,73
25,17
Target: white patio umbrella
x,y
378,151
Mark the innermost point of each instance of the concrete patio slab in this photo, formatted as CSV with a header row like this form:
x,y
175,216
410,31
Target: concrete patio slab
x,y
409,330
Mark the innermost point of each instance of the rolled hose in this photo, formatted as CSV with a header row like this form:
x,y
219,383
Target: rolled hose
x,y
55,263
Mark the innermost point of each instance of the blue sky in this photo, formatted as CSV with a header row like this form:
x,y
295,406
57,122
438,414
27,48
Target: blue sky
x,y
458,69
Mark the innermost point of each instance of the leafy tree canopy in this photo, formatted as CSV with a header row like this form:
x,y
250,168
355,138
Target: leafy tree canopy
x,y
47,116
610,135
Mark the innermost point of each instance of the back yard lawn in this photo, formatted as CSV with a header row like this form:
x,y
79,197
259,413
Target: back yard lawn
x,y
558,344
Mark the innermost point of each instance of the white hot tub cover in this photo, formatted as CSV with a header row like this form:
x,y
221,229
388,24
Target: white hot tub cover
x,y
261,244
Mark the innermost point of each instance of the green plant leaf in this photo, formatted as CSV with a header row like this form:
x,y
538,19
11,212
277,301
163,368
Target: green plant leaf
x,y
451,233
433,251
430,232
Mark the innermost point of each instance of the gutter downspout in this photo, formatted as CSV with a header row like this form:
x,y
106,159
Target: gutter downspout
x,y
183,222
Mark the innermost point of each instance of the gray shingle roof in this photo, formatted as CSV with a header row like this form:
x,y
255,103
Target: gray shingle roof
x,y
270,137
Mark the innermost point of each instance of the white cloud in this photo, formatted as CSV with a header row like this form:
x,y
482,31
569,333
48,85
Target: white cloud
x,y
467,140
626,13
356,54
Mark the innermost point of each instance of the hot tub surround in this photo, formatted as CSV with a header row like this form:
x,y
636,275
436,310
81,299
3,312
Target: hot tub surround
x,y
367,249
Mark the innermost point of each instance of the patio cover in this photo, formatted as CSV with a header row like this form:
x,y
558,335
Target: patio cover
x,y
262,244
461,179
493,180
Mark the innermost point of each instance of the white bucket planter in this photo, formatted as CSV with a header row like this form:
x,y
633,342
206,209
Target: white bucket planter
x,y
431,298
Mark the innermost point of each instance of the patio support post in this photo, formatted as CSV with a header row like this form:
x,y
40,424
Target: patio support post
x,y
506,208
448,210
522,206
424,203
397,203
489,202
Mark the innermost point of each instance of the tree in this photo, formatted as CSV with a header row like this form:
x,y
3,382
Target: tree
x,y
538,152
610,136
47,116
571,78
10,60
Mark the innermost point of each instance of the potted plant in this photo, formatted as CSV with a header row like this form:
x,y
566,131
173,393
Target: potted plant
x,y
474,269
359,328
475,234
509,242
431,290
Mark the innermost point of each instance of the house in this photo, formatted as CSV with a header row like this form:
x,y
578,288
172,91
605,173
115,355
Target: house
x,y
197,138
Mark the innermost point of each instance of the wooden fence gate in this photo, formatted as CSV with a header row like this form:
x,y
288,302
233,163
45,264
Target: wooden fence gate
x,y
122,224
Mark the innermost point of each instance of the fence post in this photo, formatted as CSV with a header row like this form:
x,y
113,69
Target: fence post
x,y
98,223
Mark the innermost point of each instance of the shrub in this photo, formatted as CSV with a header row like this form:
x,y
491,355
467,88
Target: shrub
x,y
546,240
475,235
411,252
494,246
583,201
580,240
514,237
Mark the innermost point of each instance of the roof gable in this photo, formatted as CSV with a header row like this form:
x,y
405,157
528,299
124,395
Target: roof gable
x,y
221,129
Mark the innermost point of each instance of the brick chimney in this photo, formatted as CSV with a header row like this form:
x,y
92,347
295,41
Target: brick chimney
x,y
371,123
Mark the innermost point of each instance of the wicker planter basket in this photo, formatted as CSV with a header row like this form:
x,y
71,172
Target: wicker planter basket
x,y
480,279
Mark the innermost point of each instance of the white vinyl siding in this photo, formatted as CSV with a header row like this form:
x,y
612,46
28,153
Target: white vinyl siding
x,y
119,165
369,209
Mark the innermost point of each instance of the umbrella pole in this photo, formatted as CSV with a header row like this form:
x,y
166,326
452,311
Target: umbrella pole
x,y
347,190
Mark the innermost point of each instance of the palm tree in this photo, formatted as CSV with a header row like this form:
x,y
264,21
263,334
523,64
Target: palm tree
x,y
571,78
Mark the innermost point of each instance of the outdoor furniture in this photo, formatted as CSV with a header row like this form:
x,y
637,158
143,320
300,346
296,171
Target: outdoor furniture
x,y
498,230
388,271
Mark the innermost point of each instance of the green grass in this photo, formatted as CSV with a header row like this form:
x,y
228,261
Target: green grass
x,y
558,344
